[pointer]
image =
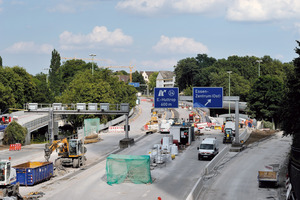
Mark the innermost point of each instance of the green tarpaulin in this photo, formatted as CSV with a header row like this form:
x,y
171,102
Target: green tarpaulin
x,y
128,167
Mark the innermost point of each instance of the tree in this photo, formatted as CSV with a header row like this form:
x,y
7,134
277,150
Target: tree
x,y
265,98
69,69
55,78
290,113
152,81
185,72
43,93
7,99
14,133
1,61
138,78
21,84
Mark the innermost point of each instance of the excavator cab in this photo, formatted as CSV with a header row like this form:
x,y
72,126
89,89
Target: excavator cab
x,y
76,147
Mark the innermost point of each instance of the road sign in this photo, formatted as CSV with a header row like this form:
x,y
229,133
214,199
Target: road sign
x,y
135,84
166,97
208,97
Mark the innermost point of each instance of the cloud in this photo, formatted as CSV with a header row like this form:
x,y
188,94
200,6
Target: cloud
x,y
148,7
233,10
263,10
164,64
29,47
142,6
179,45
63,8
98,37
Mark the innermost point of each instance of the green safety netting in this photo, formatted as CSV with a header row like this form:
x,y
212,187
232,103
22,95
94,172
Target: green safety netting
x,y
91,126
128,167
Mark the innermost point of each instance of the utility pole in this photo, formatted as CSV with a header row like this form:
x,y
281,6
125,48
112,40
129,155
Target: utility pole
x,y
259,61
92,55
229,72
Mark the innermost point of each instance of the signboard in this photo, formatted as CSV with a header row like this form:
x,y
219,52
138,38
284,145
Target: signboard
x,y
134,84
116,129
166,97
208,97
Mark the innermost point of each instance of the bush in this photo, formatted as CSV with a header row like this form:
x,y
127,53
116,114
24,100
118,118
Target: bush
x,y
14,133
267,124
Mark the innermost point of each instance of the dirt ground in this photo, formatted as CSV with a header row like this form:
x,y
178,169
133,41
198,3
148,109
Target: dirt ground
x,y
257,135
4,147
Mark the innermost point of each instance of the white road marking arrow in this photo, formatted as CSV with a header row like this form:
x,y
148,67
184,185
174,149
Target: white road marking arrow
x,y
208,101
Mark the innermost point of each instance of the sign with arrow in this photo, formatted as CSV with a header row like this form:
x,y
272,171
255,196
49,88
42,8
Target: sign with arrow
x,y
208,97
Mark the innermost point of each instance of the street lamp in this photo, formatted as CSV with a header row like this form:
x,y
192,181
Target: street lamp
x,y
92,55
47,75
259,61
229,72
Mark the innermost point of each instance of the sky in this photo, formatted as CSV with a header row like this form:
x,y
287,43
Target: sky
x,y
150,35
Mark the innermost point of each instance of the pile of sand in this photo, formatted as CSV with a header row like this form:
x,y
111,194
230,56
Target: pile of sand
x,y
257,135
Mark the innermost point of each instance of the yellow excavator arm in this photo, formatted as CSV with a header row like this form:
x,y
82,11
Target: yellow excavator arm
x,y
61,145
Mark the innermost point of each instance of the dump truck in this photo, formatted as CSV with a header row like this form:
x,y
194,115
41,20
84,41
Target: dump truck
x,y
8,181
70,152
268,178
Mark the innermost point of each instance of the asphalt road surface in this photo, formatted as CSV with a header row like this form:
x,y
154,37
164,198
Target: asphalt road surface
x,y
236,177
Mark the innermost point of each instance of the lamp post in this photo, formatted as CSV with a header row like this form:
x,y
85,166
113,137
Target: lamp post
x,y
229,72
92,55
259,61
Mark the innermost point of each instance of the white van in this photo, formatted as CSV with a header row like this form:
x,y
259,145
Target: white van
x,y
209,148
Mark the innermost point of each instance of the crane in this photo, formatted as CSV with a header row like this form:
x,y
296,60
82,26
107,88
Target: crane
x,y
129,67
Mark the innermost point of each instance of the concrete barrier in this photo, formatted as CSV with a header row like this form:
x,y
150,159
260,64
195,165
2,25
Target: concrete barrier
x,y
209,167
196,190
245,135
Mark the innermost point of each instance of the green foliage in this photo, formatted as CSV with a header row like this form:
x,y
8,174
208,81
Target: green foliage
x,y
102,87
291,108
152,81
188,91
55,74
70,68
43,93
14,133
7,99
21,85
1,61
267,124
138,78
265,98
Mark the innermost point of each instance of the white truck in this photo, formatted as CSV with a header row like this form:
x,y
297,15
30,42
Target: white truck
x,y
165,126
208,149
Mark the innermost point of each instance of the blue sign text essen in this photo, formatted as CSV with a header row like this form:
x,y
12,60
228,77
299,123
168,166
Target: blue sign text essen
x,y
208,97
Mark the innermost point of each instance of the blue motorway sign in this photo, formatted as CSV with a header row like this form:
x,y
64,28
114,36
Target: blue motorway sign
x,y
135,84
208,97
166,97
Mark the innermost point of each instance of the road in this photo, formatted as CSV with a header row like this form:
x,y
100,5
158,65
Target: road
x,y
173,181
236,177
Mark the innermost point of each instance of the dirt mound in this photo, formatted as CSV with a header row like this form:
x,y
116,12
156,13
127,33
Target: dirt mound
x,y
257,135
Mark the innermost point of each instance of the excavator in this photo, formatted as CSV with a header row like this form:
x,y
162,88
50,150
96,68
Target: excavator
x,y
70,152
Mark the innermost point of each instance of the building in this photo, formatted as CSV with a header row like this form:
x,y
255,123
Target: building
x,y
165,79
146,75
124,78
